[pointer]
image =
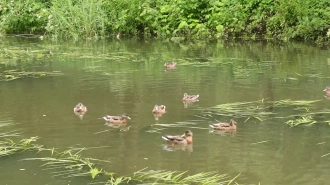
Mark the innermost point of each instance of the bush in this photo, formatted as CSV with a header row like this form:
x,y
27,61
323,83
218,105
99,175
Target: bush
x,y
294,19
20,16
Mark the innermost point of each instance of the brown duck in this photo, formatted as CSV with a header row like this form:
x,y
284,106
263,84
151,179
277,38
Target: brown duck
x,y
225,126
327,90
159,109
186,138
187,97
80,108
117,119
170,65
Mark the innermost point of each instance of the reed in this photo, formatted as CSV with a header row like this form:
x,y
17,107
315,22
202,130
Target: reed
x,y
76,19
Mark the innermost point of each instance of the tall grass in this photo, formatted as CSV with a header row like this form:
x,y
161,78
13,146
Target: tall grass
x,y
76,19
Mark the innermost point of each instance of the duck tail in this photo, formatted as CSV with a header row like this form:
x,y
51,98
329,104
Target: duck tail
x,y
105,118
165,138
197,95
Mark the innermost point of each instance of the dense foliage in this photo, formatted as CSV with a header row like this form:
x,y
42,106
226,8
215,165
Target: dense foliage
x,y
296,19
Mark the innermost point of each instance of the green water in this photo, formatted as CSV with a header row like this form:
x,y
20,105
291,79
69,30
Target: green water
x,y
127,76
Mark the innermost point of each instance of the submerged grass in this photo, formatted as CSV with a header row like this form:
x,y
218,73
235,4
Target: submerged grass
x,y
175,177
9,147
255,109
70,163
14,74
264,109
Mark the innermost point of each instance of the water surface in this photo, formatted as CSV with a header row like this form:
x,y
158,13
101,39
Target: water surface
x,y
127,76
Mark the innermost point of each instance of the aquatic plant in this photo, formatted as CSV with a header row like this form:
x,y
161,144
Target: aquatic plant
x,y
264,109
70,163
307,119
255,109
288,102
9,75
175,177
9,147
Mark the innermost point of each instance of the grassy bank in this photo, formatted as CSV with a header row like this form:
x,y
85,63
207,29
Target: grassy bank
x,y
281,19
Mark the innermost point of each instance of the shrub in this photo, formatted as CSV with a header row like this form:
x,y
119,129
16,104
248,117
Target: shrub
x,y
20,16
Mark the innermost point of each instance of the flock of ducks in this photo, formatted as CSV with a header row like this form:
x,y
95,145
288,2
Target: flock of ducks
x,y
159,110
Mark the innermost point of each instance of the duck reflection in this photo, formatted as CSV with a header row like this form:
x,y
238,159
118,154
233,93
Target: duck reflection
x,y
157,116
80,114
120,126
172,148
187,104
230,133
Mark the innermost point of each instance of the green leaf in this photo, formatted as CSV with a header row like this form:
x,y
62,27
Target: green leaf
x,y
219,28
182,24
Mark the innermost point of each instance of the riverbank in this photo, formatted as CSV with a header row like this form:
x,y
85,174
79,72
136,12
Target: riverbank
x,y
284,20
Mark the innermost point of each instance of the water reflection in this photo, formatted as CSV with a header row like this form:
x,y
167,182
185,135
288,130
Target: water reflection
x,y
128,77
187,104
172,148
230,133
120,126
80,114
157,116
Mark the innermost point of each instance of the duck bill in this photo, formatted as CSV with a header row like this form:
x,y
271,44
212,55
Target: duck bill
x,y
183,135
128,118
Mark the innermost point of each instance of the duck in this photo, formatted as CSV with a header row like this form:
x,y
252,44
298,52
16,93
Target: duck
x,y
117,119
170,65
80,108
186,138
187,97
159,109
327,90
225,126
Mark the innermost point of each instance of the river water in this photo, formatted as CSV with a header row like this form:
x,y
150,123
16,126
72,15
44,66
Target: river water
x,y
113,77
